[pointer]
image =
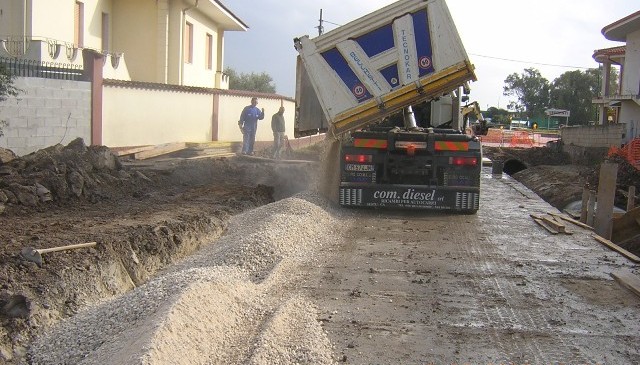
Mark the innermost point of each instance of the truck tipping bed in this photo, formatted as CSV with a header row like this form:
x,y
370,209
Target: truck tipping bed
x,y
403,54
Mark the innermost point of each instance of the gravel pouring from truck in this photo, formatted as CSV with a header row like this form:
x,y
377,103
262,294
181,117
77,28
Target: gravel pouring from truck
x,y
355,78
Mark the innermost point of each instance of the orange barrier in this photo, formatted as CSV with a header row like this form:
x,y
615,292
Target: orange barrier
x,y
630,152
521,139
634,153
493,136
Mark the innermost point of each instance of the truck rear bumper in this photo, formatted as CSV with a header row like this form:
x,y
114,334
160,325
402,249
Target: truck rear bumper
x,y
463,199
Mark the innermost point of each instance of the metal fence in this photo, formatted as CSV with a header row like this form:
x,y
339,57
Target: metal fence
x,y
48,70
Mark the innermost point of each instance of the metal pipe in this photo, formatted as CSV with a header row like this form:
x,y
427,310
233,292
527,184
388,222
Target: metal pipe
x,y
409,118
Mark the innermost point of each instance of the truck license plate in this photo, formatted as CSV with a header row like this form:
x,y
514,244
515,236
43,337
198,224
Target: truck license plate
x,y
354,167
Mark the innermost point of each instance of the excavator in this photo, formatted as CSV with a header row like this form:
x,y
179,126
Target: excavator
x,y
479,129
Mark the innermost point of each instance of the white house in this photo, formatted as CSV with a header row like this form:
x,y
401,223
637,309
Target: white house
x,y
622,105
144,72
178,42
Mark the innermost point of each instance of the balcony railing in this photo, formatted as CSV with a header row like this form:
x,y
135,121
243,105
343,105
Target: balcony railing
x,y
38,57
49,70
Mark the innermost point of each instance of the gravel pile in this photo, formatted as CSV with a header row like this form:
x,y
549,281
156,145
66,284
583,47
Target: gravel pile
x,y
231,303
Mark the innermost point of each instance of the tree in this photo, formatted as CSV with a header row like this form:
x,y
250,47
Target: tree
x,y
613,80
6,89
251,82
574,91
498,116
531,91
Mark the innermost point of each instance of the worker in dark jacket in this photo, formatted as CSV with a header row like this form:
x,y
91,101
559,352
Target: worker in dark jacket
x,y
249,125
278,128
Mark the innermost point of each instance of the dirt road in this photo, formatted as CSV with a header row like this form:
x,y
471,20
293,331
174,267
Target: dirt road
x,y
494,288
299,281
197,264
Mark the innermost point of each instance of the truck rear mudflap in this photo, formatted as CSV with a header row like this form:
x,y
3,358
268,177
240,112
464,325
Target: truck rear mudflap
x,y
410,197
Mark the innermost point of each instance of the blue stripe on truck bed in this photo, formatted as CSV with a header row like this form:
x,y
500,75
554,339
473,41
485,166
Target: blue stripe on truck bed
x,y
423,43
383,40
337,62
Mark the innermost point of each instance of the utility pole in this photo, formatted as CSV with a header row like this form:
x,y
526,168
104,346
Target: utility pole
x,y
320,27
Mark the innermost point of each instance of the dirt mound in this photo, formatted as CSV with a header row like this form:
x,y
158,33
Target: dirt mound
x,y
60,174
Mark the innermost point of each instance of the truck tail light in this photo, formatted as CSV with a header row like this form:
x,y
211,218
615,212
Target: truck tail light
x,y
463,161
358,158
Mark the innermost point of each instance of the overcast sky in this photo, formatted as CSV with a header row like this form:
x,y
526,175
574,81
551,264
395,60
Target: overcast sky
x,y
495,33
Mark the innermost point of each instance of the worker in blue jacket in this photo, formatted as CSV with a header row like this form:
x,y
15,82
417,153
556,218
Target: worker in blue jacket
x,y
249,125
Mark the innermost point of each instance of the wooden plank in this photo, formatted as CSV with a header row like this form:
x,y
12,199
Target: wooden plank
x,y
617,248
159,150
585,205
538,219
211,144
541,223
132,150
557,219
591,207
214,155
555,224
570,220
628,280
627,226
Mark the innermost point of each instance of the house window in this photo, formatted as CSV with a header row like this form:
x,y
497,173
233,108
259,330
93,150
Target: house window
x,y
78,24
208,51
105,32
188,43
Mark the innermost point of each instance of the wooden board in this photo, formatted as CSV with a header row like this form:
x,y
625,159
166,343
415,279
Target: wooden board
x,y
541,223
160,150
628,280
627,226
617,248
131,150
571,220
549,220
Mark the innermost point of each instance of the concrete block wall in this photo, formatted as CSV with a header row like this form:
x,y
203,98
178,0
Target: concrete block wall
x,y
603,136
587,156
46,112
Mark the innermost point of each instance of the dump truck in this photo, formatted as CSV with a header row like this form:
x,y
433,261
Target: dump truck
x,y
388,86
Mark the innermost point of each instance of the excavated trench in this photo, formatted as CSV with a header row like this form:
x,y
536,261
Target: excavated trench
x,y
145,217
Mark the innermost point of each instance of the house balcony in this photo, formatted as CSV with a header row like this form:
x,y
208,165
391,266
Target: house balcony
x,y
616,99
51,52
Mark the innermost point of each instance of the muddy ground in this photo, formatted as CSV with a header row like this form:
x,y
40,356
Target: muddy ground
x,y
147,215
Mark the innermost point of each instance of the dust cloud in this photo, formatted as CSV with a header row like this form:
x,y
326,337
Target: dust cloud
x,y
329,171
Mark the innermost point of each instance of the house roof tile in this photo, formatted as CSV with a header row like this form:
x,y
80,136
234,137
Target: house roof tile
x,y
611,54
618,30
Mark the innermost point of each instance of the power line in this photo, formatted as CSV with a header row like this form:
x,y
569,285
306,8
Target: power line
x,y
529,62
321,29
326,21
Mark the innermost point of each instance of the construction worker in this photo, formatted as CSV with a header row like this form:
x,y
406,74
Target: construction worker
x,y
248,124
278,128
